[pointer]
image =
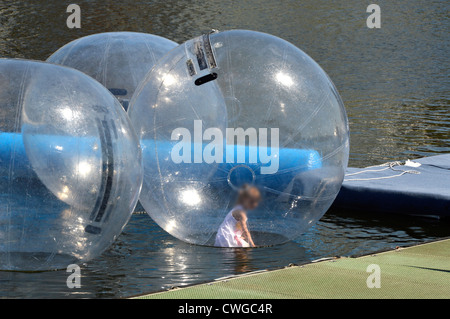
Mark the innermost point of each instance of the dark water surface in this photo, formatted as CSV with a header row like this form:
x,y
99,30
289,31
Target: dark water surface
x,y
394,82
138,262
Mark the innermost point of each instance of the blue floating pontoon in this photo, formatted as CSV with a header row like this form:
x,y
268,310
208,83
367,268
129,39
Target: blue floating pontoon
x,y
420,187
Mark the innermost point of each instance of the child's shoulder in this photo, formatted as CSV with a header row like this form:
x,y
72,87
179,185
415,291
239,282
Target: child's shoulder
x,y
239,214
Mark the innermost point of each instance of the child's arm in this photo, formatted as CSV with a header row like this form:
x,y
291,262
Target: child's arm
x,y
241,218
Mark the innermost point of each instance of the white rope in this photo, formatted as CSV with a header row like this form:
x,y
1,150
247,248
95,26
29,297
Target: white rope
x,y
389,165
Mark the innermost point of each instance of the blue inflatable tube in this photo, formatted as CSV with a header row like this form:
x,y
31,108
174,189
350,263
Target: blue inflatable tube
x,y
14,159
285,166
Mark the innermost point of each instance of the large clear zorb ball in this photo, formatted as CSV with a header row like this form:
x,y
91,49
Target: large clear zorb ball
x,y
118,60
70,166
232,110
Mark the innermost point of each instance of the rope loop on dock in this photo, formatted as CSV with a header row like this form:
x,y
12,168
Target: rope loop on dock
x,y
385,166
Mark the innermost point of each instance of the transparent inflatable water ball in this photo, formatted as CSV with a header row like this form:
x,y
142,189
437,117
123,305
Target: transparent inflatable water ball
x,y
70,166
231,114
118,60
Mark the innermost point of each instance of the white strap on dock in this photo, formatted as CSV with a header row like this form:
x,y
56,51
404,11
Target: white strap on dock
x,y
385,166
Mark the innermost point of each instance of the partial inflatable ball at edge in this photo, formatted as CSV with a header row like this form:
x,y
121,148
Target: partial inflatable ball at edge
x,y
70,166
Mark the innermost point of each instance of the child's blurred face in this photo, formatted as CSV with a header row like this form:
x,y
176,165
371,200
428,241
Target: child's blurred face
x,y
252,199
250,203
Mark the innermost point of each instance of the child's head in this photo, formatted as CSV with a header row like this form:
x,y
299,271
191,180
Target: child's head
x,y
249,197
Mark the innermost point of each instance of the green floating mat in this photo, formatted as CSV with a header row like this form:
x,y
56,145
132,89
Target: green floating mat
x,y
421,271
